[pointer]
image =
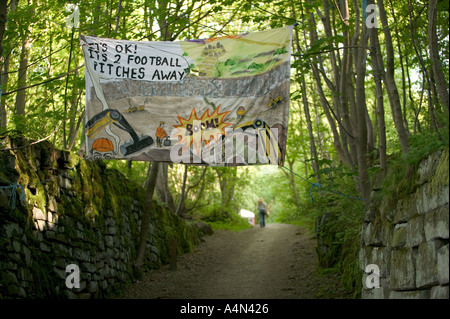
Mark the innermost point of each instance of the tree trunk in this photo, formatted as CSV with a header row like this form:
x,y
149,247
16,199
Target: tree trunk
x,y
22,80
426,76
4,65
3,13
74,102
312,144
129,168
292,184
339,103
436,63
162,187
166,34
3,86
324,103
227,181
377,73
343,86
391,87
145,220
402,64
183,192
343,155
364,180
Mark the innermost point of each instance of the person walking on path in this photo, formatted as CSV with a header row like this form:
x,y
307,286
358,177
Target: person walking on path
x,y
262,212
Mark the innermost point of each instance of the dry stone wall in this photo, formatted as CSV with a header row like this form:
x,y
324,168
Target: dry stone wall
x,y
74,213
407,239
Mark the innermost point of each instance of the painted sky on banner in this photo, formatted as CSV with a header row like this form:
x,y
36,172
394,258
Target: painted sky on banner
x,y
220,101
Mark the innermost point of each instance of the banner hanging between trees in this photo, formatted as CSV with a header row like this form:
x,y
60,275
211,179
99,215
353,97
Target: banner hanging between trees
x,y
222,101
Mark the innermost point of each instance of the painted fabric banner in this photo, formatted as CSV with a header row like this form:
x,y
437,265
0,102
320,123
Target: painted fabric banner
x,y
220,101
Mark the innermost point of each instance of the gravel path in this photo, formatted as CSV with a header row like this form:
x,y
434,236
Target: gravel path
x,y
275,262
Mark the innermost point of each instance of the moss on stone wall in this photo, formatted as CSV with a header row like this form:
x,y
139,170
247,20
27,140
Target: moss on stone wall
x,y
75,212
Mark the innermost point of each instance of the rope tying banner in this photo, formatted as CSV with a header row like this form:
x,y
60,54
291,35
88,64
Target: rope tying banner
x,y
13,197
14,187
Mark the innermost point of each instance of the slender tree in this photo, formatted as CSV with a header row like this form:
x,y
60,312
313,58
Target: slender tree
x,y
145,220
436,63
389,78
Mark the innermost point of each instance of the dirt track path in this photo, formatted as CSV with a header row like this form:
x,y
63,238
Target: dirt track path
x,y
275,262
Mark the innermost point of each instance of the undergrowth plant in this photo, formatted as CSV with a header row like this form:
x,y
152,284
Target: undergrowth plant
x,y
336,199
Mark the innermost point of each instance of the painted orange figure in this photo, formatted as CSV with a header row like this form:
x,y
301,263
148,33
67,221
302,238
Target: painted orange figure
x,y
160,134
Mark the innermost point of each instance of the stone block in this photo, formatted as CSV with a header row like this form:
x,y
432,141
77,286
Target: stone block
x,y
38,235
40,224
44,247
439,292
69,294
110,221
376,293
25,274
4,201
427,167
9,266
12,229
101,245
52,218
60,263
64,250
379,257
65,182
443,266
399,236
402,271
88,267
109,241
17,247
436,224
405,209
81,254
38,214
415,294
364,257
104,284
92,287
27,255
415,234
52,205
369,215
373,234
426,270
85,276
111,230
61,273
428,199
79,226
9,278
16,291
154,250
79,235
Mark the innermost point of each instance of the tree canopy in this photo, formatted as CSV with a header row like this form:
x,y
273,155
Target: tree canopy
x,y
367,80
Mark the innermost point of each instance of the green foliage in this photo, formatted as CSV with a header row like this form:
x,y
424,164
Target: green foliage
x,y
423,144
399,179
341,233
236,224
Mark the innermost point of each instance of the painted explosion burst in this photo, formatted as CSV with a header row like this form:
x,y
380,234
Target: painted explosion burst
x,y
195,130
